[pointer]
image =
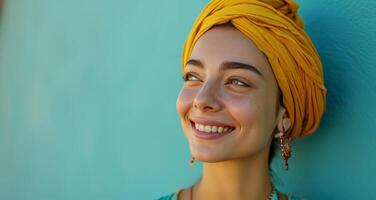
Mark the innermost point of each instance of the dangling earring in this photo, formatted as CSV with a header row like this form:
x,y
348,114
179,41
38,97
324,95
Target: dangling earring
x,y
285,142
191,161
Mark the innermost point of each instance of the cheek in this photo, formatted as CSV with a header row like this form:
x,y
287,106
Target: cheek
x,y
254,113
184,102
244,109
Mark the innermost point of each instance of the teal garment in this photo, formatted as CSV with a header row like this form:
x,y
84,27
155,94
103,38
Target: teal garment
x,y
174,196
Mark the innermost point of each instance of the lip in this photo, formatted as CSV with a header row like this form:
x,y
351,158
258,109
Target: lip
x,y
209,122
209,136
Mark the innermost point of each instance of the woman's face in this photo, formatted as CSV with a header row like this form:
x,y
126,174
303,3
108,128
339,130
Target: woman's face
x,y
228,83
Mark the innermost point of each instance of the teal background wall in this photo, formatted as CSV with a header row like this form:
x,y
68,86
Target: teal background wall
x,y
88,91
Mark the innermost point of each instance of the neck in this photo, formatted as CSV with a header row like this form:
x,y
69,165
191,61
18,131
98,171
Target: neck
x,y
245,178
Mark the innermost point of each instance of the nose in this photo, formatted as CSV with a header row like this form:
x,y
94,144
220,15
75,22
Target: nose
x,y
206,99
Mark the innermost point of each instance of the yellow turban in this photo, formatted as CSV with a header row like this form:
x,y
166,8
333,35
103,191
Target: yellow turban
x,y
277,30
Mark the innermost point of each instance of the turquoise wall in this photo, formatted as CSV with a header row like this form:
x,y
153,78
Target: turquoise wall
x,y
88,91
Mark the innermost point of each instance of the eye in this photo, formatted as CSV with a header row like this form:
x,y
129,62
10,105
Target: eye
x,y
238,82
190,77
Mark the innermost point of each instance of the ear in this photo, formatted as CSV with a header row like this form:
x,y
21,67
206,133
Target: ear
x,y
283,119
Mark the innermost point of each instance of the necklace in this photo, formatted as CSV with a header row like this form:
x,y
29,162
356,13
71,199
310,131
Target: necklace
x,y
274,195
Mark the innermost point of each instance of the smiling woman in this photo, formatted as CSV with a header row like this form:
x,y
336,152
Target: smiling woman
x,y
218,93
250,74
238,97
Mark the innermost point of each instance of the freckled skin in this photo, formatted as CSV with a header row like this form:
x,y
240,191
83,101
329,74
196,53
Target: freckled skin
x,y
210,94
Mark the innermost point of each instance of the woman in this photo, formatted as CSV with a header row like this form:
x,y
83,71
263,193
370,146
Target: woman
x,y
253,82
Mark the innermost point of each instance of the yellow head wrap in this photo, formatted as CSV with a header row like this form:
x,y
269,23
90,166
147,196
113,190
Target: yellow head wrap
x,y
277,30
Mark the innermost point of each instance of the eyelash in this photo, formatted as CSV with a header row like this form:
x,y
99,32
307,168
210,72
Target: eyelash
x,y
186,77
243,84
231,81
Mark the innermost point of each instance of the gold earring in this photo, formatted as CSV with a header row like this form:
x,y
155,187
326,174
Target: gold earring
x,y
191,161
285,142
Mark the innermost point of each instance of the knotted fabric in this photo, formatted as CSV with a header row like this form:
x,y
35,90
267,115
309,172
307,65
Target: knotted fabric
x,y
278,31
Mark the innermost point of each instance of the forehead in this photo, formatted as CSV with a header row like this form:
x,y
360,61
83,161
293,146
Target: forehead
x,y
226,43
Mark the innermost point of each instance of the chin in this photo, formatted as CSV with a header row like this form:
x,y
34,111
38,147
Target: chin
x,y
209,159
212,159
209,156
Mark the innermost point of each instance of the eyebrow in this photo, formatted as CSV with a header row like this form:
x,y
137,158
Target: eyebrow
x,y
228,65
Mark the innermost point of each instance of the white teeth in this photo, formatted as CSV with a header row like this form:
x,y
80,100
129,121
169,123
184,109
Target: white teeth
x,y
207,128
201,127
220,129
212,129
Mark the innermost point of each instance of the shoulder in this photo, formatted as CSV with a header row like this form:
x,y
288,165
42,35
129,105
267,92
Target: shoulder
x,y
174,196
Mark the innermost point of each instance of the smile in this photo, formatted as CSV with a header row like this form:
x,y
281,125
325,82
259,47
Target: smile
x,y
210,130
